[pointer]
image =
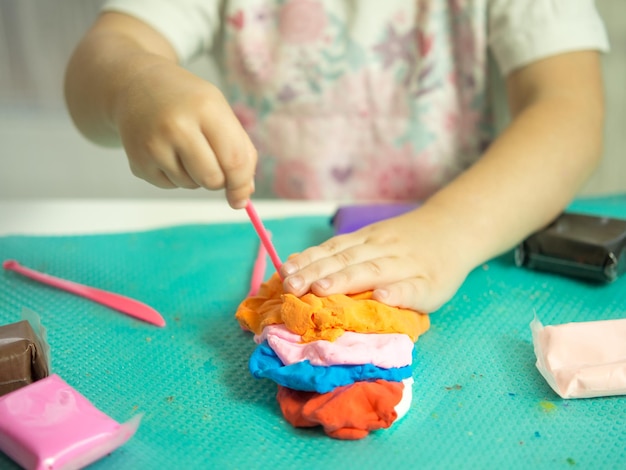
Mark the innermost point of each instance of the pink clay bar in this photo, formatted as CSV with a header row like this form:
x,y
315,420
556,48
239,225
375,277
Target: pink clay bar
x,y
49,425
582,359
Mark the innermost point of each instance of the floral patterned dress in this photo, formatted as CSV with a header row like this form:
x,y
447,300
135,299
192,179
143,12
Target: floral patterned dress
x,y
359,99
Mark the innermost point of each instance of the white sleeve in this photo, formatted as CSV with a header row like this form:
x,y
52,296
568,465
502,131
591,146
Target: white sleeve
x,y
522,31
189,25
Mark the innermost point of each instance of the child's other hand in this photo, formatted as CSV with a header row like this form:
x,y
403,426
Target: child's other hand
x,y
409,261
179,131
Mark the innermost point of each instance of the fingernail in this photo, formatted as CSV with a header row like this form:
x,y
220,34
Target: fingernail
x,y
323,284
381,294
239,204
289,268
295,283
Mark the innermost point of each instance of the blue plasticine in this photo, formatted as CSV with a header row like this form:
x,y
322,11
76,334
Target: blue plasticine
x,y
264,363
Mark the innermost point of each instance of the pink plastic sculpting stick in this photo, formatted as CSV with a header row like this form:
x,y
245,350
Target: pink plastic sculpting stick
x,y
258,271
118,302
263,235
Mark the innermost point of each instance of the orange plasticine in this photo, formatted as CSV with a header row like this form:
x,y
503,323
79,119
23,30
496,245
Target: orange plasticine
x,y
326,318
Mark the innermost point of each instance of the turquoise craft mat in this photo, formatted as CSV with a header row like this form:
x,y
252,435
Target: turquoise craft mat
x,y
478,400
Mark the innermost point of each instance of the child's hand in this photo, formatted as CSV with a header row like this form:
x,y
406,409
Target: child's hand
x,y
179,131
410,261
123,82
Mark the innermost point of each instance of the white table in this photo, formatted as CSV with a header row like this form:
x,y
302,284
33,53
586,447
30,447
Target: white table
x,y
74,216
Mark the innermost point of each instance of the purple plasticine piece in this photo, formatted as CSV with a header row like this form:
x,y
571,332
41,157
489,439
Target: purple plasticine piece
x,y
350,218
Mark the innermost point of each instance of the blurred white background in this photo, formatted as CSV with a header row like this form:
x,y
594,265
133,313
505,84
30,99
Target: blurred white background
x,y
43,156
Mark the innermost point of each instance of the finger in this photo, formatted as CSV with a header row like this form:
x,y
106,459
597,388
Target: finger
x,y
239,171
151,174
178,175
161,180
200,162
350,271
157,163
321,273
328,249
359,277
414,294
237,159
168,163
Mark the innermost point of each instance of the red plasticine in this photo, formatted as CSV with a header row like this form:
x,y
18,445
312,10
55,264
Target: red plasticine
x,y
348,412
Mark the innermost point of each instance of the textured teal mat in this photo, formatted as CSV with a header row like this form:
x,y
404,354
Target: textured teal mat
x,y
478,400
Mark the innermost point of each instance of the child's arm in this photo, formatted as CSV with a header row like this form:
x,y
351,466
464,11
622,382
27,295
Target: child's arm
x,y
123,84
523,181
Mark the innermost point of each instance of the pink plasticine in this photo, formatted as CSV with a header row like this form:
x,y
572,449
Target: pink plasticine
x,y
48,425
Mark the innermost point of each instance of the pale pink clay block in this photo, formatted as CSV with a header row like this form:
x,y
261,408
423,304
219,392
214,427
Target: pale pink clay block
x,y
582,359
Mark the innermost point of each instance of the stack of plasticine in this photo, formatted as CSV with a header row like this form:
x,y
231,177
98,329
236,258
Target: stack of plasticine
x,y
342,362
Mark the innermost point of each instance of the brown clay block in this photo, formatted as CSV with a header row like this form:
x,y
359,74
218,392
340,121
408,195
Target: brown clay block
x,y
22,359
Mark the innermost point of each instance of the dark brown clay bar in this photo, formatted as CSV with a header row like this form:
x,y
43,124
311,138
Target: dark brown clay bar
x,y
22,357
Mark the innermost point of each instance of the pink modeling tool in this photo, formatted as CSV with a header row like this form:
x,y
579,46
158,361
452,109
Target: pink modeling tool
x,y
258,271
118,302
263,235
